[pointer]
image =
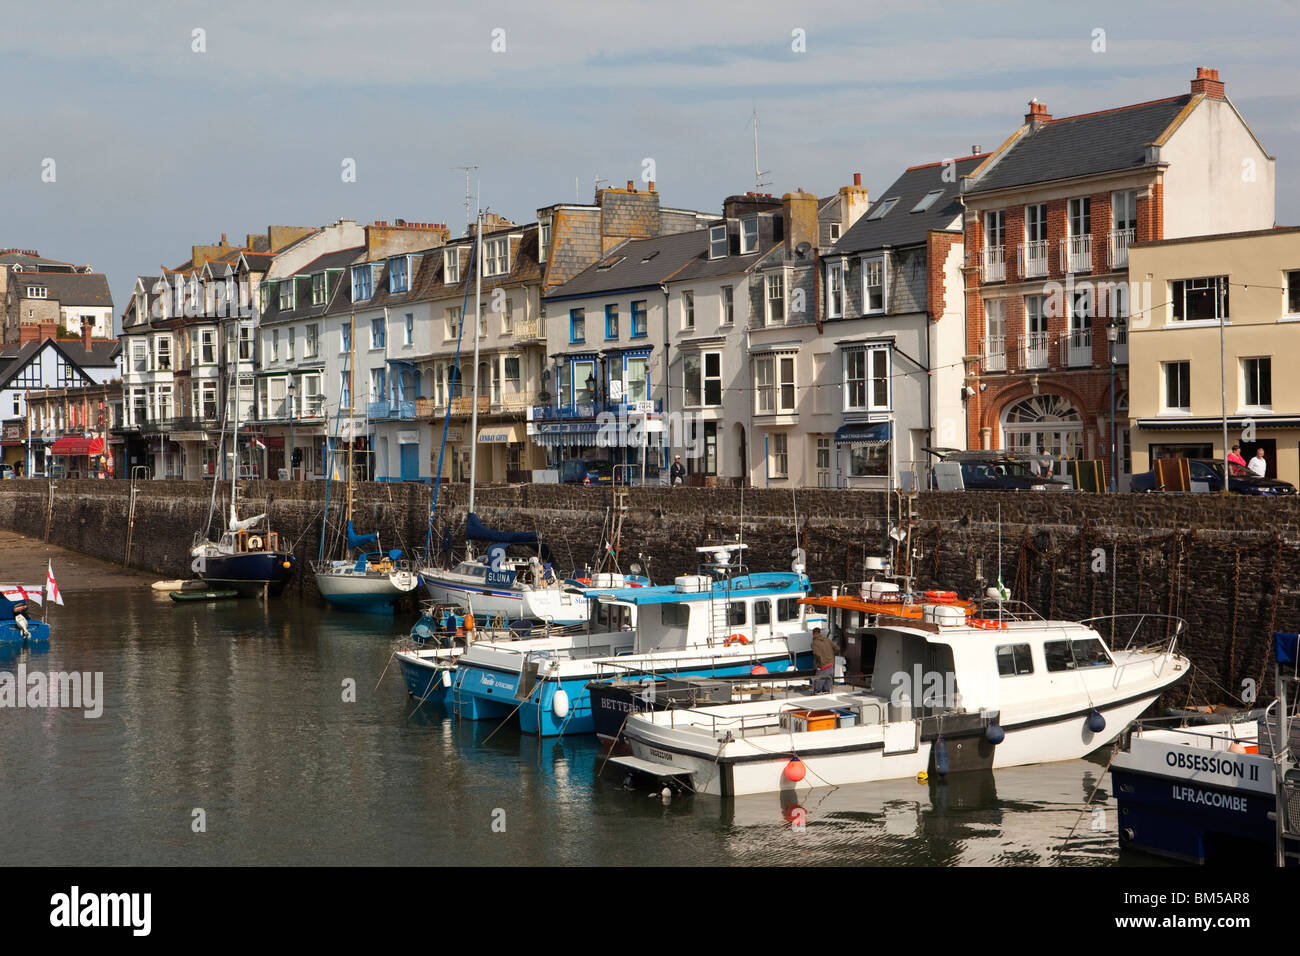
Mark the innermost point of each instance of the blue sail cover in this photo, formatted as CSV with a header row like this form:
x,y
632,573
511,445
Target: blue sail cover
x,y
475,530
1286,648
356,541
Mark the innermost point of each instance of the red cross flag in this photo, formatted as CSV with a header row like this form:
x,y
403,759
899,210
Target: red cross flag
x,y
52,593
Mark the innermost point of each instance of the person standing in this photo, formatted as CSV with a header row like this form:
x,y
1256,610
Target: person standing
x,y
823,662
677,473
1259,464
1235,461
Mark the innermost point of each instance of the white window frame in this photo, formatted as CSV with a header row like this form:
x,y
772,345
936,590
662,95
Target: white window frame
x,y
727,305
876,365
835,298
867,263
496,256
1165,369
1244,366
748,235
399,274
311,344
453,320
688,309
366,276
778,460
207,347
768,298
451,266
319,283
718,242
543,240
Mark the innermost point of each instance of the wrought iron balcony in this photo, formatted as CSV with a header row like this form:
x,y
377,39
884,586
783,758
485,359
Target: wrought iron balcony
x,y
1120,240
1076,350
993,264
1033,259
1076,254
1033,350
995,353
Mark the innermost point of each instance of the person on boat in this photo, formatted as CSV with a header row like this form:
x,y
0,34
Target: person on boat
x,y
823,662
677,473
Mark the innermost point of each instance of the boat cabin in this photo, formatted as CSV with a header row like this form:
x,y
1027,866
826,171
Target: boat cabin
x,y
244,542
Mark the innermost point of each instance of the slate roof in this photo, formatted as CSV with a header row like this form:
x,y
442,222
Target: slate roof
x,y
637,263
900,226
72,288
32,262
1071,146
100,355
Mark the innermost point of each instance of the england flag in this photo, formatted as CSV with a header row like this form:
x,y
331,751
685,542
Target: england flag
x,y
52,593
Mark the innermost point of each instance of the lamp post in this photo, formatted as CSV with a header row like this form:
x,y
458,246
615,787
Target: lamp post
x,y
292,389
1112,336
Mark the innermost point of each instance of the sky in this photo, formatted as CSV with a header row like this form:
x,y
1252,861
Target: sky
x,y
169,124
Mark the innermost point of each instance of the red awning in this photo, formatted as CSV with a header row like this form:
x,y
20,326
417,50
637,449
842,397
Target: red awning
x,y
76,445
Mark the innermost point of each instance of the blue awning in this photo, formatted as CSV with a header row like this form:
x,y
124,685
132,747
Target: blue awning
x,y
864,433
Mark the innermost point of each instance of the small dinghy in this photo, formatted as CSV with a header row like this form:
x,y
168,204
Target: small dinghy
x,y
189,594
16,626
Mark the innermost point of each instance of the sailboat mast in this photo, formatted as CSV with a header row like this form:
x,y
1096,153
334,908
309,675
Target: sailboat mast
x,y
234,433
352,427
478,307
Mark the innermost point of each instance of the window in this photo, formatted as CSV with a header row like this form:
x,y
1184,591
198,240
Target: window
x,y
611,321
774,384
1035,316
312,344
1036,223
748,235
577,325
1071,655
637,386
785,383
245,343
453,322
318,289
1080,216
584,381
1293,293
451,266
37,292
835,232
1014,660
713,379
287,295
736,616
408,336
346,345
377,333
717,241
377,384
399,278
1257,374
482,319
1123,210
544,241
787,609
995,229
775,297
1178,390
763,612
163,352
639,319
779,460
728,300
508,318
869,461
1196,300
139,355
927,200
510,372
362,282
496,256
207,346
208,400
866,379
345,390
275,345
873,285
835,290
882,208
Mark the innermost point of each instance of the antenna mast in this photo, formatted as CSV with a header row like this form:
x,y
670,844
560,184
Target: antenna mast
x,y
469,196
759,182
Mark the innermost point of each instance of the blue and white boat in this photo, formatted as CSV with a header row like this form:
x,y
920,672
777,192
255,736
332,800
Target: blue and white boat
x,y
16,628
373,581
723,621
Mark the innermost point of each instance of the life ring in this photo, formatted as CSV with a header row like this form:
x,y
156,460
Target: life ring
x,y
941,595
254,543
987,624
735,639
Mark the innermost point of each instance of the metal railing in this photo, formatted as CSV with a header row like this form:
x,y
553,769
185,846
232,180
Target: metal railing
x,y
995,353
1076,350
1076,254
1120,240
993,264
1033,350
1033,259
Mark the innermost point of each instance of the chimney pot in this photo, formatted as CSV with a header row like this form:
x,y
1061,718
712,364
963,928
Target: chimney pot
x,y
630,187
652,185
857,179
1207,81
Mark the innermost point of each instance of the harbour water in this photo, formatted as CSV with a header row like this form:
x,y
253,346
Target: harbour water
x,y
229,735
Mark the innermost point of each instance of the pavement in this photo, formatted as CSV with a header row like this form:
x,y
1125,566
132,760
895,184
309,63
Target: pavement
x,y
24,561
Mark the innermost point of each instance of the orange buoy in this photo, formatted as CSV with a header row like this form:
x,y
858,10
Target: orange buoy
x,y
735,639
941,595
469,621
795,770
758,669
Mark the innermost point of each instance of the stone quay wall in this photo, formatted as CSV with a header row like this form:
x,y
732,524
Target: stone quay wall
x,y
1228,566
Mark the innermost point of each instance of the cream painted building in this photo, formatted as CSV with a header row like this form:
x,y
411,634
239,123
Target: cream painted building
x,y
1250,283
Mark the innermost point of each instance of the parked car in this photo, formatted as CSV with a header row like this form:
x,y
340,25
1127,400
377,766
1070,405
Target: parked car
x,y
579,471
994,471
1211,474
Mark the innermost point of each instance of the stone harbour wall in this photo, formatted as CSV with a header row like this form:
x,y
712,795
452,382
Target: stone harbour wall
x,y
1225,565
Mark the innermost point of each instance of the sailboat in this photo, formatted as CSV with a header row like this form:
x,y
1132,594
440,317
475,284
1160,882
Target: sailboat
x,y
362,579
247,557
492,584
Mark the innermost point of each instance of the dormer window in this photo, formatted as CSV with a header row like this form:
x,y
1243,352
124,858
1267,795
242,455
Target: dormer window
x,y
287,296
451,266
496,256
543,240
748,235
717,241
362,282
318,289
37,292
399,279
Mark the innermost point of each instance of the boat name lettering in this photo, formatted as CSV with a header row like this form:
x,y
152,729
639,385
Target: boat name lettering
x,y
487,680
1208,764
619,705
660,754
501,579
1209,798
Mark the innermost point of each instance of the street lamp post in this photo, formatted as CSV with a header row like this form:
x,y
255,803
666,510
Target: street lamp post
x,y
1112,336
292,415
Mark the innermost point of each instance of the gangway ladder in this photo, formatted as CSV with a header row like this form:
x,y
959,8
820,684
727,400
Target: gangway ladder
x,y
1286,774
130,510
908,516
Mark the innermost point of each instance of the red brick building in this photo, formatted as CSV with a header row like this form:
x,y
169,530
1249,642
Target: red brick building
x,y
1048,219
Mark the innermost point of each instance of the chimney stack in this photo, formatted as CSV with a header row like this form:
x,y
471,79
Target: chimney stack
x,y
799,209
86,329
1207,82
1037,114
630,186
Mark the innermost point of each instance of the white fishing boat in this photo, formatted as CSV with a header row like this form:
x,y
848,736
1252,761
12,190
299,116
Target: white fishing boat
x,y
945,692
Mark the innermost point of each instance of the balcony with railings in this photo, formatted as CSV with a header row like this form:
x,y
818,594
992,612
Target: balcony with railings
x,y
993,264
1120,240
592,409
1033,259
1076,254
1033,350
995,353
1121,348
391,411
528,330
1076,349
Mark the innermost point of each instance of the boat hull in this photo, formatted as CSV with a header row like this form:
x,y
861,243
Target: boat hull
x,y
427,680
252,574
545,604
11,636
371,592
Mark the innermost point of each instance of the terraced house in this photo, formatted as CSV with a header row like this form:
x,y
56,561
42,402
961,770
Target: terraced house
x,y
1049,217
46,298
